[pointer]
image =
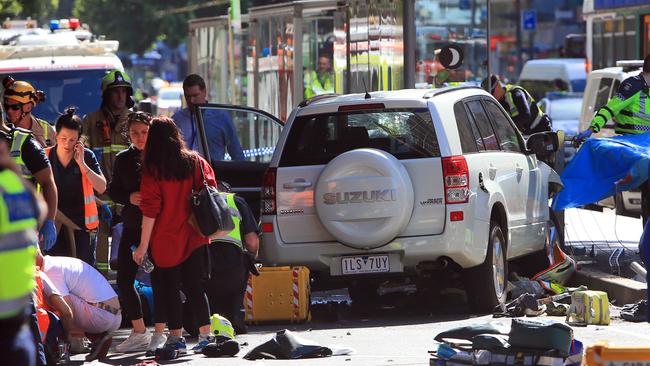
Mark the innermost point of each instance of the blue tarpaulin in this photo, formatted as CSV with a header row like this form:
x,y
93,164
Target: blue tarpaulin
x,y
602,167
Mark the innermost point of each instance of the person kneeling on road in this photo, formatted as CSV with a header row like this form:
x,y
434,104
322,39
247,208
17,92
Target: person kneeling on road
x,y
94,304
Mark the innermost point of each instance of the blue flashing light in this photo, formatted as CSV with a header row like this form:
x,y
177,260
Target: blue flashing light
x,y
54,24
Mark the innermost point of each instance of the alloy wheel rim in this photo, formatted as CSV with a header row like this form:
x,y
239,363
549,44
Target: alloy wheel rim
x,y
498,267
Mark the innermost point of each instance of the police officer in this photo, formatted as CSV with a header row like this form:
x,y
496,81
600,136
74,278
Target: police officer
x,y
30,158
520,105
320,81
20,98
231,259
630,108
104,131
19,211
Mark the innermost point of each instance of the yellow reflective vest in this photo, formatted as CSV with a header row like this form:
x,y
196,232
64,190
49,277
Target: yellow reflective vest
x,y
18,138
233,236
18,240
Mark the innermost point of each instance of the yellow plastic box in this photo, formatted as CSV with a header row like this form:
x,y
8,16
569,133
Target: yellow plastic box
x,y
603,355
278,294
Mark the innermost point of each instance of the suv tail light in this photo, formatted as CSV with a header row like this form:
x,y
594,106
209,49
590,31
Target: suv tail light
x,y
268,192
456,179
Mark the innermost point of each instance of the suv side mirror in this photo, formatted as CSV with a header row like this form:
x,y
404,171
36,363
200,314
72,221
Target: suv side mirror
x,y
543,144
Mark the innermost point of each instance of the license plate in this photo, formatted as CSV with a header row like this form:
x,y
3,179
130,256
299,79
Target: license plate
x,y
365,264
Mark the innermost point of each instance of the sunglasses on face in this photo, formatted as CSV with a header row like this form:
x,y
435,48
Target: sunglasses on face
x,y
140,117
13,107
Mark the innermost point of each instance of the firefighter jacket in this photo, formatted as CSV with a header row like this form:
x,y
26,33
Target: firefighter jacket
x,y
630,108
106,136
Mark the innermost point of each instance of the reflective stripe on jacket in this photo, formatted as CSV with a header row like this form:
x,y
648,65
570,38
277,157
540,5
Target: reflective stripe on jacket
x,y
537,114
630,108
91,217
18,240
18,137
234,236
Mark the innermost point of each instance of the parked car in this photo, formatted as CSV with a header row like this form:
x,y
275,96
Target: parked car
x,y
170,99
564,111
601,86
538,76
401,184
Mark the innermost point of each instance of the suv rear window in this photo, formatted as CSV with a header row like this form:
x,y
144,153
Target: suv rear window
x,y
317,139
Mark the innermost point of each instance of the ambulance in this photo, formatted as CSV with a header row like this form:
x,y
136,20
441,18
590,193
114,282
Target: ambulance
x,y
64,63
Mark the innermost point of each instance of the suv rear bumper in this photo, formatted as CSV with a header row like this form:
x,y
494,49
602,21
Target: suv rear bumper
x,y
464,242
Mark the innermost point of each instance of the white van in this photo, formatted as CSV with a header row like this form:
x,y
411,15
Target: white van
x,y
538,76
601,86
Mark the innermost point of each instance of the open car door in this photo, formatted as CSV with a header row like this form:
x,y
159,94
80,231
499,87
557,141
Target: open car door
x,y
239,143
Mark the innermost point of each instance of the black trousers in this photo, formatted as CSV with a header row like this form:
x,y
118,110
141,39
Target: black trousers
x,y
166,283
85,243
127,269
227,285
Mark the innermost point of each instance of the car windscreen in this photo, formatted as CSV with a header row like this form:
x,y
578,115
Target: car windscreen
x,y
171,94
566,109
317,139
79,88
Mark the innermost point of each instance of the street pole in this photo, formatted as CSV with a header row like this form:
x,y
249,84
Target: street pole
x,y
519,35
489,45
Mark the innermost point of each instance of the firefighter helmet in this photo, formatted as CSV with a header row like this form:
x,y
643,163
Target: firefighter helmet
x,y
116,79
22,92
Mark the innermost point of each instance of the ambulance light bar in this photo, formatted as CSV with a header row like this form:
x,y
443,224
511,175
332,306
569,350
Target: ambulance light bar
x,y
95,48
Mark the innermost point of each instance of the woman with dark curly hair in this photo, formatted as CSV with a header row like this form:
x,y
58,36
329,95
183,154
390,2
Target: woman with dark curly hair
x,y
169,173
125,189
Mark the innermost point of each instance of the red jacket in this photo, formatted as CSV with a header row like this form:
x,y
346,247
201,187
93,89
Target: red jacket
x,y
173,239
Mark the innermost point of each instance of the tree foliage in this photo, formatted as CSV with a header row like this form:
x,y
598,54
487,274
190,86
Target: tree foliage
x,y
137,24
21,9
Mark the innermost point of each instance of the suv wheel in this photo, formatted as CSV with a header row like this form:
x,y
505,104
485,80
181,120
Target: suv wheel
x,y
486,284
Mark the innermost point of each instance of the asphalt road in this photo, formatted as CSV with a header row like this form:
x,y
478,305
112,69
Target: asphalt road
x,y
399,331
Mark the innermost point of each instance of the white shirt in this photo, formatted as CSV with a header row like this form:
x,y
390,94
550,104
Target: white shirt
x,y
76,277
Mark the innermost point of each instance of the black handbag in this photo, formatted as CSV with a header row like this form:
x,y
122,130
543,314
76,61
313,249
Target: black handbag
x,y
210,212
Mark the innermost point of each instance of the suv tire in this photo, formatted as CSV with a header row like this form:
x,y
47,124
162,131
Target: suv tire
x,y
486,284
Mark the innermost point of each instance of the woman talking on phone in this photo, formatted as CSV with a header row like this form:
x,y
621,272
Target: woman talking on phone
x,y
77,176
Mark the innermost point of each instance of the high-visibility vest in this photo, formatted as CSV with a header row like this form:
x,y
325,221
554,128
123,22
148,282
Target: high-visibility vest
x,y
234,236
46,131
91,217
41,307
18,240
630,107
18,138
537,114
313,85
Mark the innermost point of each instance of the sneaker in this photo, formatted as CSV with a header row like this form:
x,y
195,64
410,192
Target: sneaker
x,y
135,342
100,347
204,340
158,340
176,343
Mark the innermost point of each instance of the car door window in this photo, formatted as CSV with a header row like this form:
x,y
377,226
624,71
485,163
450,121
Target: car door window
x,y
238,134
470,139
483,124
508,137
617,83
602,94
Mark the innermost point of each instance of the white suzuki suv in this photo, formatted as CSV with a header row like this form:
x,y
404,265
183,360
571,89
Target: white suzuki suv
x,y
399,183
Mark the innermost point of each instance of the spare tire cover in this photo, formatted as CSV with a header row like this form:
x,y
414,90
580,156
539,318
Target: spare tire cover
x,y
364,198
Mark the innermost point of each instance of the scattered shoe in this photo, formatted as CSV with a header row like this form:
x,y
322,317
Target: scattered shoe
x,y
158,340
228,347
135,342
100,347
637,312
79,345
204,340
177,343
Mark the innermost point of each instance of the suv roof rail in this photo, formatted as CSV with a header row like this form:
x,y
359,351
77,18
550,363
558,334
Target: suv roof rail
x,y
628,65
316,98
448,89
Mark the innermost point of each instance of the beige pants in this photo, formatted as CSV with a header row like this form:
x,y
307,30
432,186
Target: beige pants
x,y
91,319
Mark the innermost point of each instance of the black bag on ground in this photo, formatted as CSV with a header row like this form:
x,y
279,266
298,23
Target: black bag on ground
x,y
541,334
210,212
